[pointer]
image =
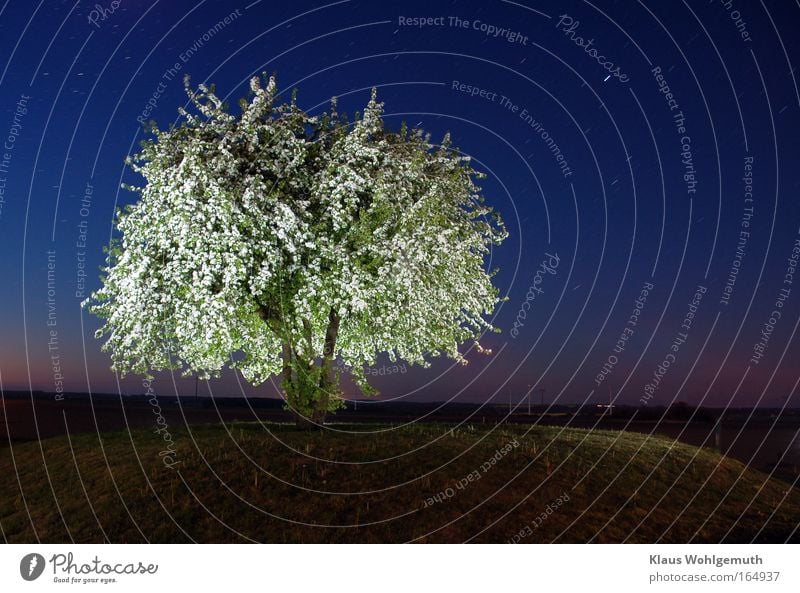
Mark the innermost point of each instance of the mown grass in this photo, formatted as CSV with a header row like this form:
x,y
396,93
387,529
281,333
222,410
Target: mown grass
x,y
270,483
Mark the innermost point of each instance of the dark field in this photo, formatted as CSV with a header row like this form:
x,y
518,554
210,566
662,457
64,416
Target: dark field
x,y
366,482
766,440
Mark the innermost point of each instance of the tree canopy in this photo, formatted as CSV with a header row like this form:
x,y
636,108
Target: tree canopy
x,y
275,242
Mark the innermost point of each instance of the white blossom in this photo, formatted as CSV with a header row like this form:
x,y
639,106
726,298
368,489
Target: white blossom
x,y
252,232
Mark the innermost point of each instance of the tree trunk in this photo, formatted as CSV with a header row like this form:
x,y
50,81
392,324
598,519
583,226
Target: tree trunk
x,y
305,424
291,388
308,388
325,381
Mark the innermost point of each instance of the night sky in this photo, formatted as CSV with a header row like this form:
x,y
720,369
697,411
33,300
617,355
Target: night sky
x,y
658,162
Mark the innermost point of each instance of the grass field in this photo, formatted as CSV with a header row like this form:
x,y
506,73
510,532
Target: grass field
x,y
270,483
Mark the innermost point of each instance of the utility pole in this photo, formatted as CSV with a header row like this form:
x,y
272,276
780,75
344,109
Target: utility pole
x,y
196,380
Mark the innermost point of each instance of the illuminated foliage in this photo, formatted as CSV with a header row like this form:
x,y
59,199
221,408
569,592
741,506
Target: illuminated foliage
x,y
276,242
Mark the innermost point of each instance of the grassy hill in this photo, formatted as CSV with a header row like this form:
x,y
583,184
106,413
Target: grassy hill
x,y
269,483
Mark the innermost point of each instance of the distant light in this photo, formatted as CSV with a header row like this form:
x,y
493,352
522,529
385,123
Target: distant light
x,y
607,77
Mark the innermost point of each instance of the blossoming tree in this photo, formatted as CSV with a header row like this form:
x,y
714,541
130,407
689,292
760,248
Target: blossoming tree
x,y
275,242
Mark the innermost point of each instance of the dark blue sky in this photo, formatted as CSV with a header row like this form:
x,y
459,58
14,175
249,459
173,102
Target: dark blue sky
x,y
648,188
